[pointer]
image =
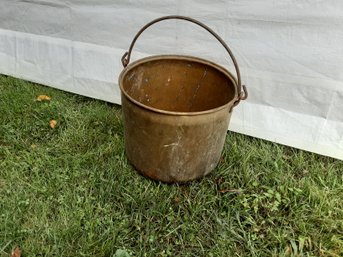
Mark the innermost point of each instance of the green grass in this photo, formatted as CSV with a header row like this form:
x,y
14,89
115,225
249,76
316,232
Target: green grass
x,y
70,191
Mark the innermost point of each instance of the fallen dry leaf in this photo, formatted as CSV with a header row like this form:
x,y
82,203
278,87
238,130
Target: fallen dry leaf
x,y
53,123
43,98
33,146
16,252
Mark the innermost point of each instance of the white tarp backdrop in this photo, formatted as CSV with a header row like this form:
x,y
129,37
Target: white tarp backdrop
x,y
290,53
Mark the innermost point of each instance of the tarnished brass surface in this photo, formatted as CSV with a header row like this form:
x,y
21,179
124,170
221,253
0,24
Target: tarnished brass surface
x,y
176,111
176,114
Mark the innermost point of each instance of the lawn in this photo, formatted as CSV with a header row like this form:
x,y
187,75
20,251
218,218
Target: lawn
x,y
70,191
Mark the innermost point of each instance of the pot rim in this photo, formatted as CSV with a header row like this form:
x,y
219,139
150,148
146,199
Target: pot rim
x,y
178,57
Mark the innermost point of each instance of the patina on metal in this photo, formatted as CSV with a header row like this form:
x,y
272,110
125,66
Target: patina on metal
x,y
176,111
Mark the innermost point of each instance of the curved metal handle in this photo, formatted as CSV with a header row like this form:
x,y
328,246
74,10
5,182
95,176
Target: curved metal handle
x,y
242,95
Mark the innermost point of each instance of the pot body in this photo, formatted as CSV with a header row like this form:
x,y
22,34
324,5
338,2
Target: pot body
x,y
176,112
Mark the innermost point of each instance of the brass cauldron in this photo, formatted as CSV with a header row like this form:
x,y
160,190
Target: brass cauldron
x,y
176,111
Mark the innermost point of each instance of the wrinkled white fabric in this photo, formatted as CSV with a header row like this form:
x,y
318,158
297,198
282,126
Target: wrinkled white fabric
x,y
290,54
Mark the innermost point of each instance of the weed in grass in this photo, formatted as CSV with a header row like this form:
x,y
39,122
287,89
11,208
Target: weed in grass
x,y
70,191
